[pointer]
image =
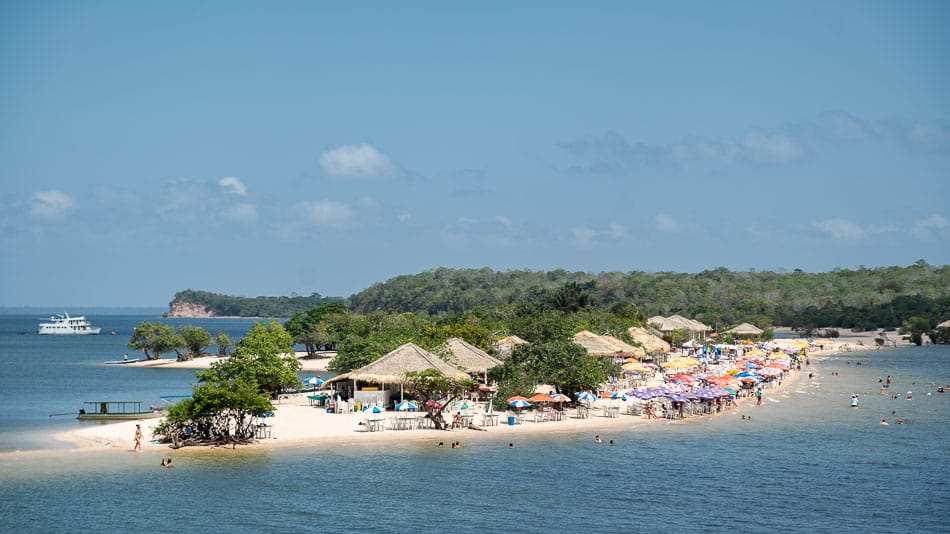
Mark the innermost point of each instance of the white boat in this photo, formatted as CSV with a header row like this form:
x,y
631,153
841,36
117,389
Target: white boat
x,y
66,325
854,401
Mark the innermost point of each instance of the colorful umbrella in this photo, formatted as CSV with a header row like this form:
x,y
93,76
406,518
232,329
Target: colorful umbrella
x,y
406,406
586,396
519,403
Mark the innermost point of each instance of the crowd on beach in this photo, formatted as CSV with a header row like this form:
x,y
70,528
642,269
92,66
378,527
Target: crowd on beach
x,y
705,384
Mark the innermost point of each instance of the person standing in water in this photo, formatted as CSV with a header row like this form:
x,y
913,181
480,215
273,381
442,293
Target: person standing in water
x,y
138,438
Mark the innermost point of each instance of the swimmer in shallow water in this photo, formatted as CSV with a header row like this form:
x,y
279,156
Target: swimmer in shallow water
x,y
883,422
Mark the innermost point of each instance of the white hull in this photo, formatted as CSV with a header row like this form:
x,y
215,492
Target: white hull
x,y
64,325
87,332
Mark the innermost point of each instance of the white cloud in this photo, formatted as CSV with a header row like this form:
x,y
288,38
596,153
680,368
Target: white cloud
x,y
357,161
840,228
774,148
922,229
503,220
404,217
617,231
233,186
241,212
52,204
582,234
324,211
755,147
846,127
933,136
667,223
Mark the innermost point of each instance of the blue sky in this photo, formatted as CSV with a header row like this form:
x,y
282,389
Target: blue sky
x,y
256,148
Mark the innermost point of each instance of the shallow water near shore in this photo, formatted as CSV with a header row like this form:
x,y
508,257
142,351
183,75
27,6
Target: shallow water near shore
x,y
804,461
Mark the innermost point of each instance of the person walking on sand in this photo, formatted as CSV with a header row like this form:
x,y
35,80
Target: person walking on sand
x,y
758,396
138,438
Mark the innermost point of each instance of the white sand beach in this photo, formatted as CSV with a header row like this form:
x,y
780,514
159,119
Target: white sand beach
x,y
315,365
299,424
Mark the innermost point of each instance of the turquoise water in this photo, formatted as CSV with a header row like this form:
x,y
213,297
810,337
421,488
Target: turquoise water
x,y
806,461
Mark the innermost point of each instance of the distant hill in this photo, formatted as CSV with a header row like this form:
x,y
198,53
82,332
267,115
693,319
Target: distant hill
x,y
192,303
860,298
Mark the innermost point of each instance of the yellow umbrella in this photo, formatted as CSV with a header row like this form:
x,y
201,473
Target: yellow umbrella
x,y
677,364
634,366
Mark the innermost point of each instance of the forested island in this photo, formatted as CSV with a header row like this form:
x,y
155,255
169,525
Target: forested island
x,y
863,298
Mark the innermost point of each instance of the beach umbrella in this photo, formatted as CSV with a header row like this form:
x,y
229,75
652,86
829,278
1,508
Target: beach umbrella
x,y
406,406
635,367
372,409
618,396
519,402
586,396
540,397
462,405
314,381
560,397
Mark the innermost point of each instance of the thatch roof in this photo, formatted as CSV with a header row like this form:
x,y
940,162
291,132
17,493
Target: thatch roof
x,y
392,368
468,357
744,329
677,322
504,346
606,345
651,342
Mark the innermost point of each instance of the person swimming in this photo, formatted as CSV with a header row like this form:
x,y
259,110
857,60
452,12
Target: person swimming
x,y
883,422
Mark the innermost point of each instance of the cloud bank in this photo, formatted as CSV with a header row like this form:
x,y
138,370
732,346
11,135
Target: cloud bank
x,y
51,205
357,162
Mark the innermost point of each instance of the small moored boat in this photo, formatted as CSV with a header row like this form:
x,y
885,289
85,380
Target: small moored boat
x,y
117,411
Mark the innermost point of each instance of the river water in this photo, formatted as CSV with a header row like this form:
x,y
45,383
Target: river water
x,y
805,461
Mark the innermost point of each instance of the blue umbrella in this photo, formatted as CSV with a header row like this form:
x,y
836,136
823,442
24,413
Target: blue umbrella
x,y
406,405
314,381
518,403
372,409
586,396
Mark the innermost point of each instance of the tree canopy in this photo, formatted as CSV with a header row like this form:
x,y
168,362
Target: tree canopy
x,y
862,298
562,364
434,391
264,357
154,339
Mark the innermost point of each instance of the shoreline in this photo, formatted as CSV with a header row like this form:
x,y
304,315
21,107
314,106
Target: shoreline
x,y
314,365
298,425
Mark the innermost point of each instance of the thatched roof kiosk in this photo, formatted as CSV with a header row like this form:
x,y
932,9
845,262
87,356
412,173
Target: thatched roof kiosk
x,y
607,345
391,369
468,357
504,346
744,329
651,342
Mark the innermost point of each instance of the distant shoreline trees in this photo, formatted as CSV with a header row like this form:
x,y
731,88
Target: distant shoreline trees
x,y
862,299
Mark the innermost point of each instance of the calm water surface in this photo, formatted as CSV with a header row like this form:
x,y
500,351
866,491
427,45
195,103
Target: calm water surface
x,y
806,461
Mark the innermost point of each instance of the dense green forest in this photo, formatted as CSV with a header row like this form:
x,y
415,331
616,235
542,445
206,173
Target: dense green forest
x,y
226,305
862,298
